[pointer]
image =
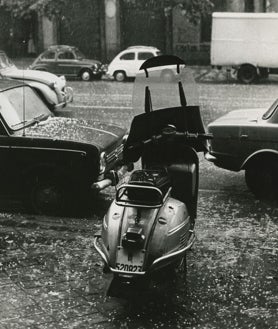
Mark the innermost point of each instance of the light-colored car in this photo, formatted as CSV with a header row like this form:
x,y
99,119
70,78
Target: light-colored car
x,y
127,63
248,140
51,88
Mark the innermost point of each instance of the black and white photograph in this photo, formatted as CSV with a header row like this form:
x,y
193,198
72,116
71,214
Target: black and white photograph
x,y
139,164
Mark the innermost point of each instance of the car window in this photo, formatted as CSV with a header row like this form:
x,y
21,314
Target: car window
x,y
21,105
66,55
271,110
48,55
5,61
128,56
145,55
79,54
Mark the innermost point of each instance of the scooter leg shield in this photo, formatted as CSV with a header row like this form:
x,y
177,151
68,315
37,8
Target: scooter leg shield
x,y
184,180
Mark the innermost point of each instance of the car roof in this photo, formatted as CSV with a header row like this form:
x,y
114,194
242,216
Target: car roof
x,y
61,47
142,47
9,83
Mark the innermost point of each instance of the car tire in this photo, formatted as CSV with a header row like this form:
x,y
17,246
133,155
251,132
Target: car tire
x,y
262,179
120,76
86,75
247,74
49,195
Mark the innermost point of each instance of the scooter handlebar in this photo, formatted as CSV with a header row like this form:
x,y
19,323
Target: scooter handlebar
x,y
171,133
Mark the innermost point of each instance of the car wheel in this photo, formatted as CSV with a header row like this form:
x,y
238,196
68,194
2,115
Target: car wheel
x,y
86,75
49,195
262,179
247,74
120,76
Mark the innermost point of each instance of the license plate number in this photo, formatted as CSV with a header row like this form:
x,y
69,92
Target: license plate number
x,y
129,263
128,267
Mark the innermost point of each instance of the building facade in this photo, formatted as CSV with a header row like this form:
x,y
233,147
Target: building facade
x,y
102,28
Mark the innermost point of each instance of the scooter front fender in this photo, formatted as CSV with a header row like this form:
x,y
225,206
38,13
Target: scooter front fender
x,y
157,264
104,255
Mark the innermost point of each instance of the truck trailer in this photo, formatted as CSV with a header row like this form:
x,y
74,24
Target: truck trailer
x,y
246,43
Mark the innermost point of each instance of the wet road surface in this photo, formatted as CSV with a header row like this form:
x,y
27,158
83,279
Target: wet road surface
x,y
51,277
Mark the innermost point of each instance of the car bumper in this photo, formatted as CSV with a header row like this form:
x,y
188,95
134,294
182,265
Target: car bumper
x,y
210,157
224,161
111,178
66,97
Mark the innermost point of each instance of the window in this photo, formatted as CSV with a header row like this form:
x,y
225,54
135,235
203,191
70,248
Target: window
x,y
48,55
144,56
66,55
16,112
128,57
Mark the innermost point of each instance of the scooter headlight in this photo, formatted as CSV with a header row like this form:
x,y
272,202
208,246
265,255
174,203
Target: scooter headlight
x,y
102,162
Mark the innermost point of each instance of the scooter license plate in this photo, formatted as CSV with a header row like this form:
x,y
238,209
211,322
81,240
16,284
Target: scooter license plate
x,y
129,262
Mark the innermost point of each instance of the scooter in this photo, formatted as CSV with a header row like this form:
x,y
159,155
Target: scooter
x,y
149,226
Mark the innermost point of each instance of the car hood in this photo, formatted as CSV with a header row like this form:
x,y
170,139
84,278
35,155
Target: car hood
x,y
99,134
239,117
34,75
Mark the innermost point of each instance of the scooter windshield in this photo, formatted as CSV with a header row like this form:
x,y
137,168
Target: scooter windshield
x,y
164,82
164,96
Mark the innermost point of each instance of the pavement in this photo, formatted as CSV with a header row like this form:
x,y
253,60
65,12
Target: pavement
x,y
47,266
51,276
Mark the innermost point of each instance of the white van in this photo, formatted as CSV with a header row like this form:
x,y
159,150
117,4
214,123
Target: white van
x,y
247,42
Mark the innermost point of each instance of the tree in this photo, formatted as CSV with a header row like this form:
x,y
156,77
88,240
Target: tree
x,y
24,8
194,9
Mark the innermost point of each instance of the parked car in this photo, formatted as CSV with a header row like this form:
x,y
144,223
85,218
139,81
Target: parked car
x,y
51,161
51,88
127,63
70,62
248,140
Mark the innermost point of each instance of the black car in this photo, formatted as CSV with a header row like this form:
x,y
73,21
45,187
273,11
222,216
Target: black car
x,y
51,161
70,62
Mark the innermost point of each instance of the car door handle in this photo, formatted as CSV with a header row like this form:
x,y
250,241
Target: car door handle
x,y
243,137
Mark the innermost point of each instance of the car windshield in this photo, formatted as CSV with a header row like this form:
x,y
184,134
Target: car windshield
x,y
5,61
21,106
271,110
79,54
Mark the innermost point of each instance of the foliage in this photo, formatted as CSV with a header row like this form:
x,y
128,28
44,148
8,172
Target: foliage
x,y
194,9
24,8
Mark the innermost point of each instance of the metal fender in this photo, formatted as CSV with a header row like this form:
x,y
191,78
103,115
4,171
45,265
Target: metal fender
x,y
48,93
172,226
110,237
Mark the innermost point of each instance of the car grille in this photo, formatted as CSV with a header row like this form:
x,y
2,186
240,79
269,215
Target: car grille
x,y
115,155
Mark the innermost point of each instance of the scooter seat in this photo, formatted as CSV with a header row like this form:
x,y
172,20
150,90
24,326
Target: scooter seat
x,y
158,179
